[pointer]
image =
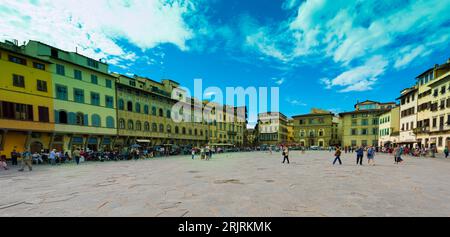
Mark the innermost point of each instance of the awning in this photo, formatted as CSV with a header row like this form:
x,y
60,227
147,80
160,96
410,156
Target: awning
x,y
143,140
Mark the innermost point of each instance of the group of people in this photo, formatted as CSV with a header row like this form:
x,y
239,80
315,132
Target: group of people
x,y
370,154
205,152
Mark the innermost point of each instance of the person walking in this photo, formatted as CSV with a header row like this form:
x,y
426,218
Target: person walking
x,y
76,154
397,154
52,157
370,155
14,156
26,160
193,153
285,154
359,155
337,155
446,151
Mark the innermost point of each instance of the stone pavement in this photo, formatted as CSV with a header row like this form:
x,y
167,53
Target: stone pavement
x,y
233,184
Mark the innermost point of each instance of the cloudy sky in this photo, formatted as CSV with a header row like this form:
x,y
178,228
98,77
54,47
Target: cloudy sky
x,y
321,53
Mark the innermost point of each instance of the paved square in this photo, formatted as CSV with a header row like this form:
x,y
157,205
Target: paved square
x,y
233,184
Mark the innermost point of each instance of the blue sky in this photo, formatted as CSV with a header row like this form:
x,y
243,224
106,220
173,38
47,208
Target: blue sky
x,y
325,54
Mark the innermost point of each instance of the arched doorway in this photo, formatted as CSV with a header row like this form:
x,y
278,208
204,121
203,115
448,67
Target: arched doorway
x,y
36,147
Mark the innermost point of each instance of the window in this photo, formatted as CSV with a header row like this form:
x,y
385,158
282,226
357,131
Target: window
x,y
364,122
95,98
364,131
132,83
138,125
121,104
108,83
177,130
168,114
354,122
161,112
169,129
354,132
183,130
61,92
54,53
17,60
109,101
353,142
41,85
130,125
110,122
96,121
78,95
154,127
94,79
9,110
154,111
375,121
161,128
121,124
39,66
18,81
77,74
79,119
146,109
374,131
434,122
138,108
62,117
92,63
43,114
146,126
364,143
130,106
60,70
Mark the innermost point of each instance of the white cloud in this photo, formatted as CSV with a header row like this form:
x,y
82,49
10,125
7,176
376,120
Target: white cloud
x,y
295,102
359,78
350,33
278,81
96,27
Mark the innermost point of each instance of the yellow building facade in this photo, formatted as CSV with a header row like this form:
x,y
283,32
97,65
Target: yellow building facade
x,y
433,106
360,127
26,105
83,99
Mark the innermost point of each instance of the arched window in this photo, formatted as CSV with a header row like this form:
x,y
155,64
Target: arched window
x,y
311,133
146,126
138,125
161,128
201,132
138,108
161,112
154,127
121,104
183,130
154,110
130,125
79,118
168,113
96,121
190,131
130,106
110,122
169,129
320,132
195,132
121,123
62,117
145,109
177,130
